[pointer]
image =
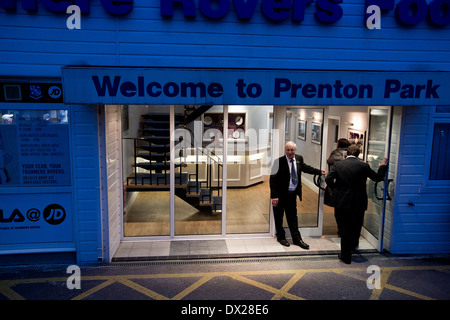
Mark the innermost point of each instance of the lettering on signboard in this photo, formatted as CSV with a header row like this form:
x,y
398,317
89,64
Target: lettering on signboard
x,y
285,88
155,89
53,214
407,12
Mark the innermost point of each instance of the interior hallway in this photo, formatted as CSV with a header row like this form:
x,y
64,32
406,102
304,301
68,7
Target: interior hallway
x,y
247,213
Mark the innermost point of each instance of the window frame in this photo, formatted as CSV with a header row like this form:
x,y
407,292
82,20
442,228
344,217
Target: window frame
x,y
435,118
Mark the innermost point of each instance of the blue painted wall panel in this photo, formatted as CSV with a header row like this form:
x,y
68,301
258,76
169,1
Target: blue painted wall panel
x,y
38,44
87,187
421,222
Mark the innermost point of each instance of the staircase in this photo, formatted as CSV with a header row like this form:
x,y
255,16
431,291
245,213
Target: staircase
x,y
152,163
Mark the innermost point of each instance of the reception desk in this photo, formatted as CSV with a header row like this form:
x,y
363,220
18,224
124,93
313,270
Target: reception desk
x,y
246,165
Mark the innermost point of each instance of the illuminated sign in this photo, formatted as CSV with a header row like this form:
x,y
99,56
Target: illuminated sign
x,y
408,12
253,87
36,220
327,11
116,7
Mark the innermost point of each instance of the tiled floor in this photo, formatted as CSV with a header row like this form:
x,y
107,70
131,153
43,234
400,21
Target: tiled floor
x,y
254,247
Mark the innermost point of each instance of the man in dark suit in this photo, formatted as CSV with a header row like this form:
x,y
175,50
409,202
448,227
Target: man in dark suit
x,y
285,186
348,179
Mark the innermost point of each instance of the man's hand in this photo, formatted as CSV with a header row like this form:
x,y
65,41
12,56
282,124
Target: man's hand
x,y
384,162
275,202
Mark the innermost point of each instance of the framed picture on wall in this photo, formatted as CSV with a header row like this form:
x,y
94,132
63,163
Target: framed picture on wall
x,y
357,137
213,125
316,133
302,129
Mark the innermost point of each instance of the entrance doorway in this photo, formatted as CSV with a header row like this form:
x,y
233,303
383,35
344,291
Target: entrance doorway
x,y
203,171
304,126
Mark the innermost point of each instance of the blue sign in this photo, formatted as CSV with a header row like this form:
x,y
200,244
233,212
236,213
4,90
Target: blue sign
x,y
408,12
83,85
42,218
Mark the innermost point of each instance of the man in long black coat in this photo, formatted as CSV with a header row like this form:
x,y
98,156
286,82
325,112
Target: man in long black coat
x,y
348,179
285,186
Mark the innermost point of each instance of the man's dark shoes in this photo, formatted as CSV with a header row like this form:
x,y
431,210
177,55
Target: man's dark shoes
x,y
344,259
283,242
301,244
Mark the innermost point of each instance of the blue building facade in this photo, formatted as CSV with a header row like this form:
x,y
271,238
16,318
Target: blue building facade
x,y
66,67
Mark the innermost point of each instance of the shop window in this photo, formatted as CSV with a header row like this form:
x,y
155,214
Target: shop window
x,y
34,148
440,156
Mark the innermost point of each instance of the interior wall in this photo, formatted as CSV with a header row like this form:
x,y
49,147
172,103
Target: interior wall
x,y
352,117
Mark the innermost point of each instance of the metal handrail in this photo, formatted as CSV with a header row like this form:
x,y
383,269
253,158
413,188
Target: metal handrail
x,y
211,157
204,151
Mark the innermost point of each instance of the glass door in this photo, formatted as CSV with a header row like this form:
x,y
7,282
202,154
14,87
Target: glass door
x,y
249,157
304,126
146,170
377,147
199,161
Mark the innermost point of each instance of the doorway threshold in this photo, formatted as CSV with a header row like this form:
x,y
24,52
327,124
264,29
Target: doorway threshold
x,y
228,248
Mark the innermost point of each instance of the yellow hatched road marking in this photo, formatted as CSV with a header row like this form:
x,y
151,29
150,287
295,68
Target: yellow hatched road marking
x,y
150,293
193,287
7,286
94,290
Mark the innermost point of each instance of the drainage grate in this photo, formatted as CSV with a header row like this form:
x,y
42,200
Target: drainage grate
x,y
48,267
226,261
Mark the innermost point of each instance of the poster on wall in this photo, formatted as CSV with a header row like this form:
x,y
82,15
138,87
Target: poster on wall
x,y
357,137
42,218
302,129
316,133
34,148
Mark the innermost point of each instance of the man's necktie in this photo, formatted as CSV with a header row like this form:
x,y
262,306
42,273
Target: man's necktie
x,y
293,173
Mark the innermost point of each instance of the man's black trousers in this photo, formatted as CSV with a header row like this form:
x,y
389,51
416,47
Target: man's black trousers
x,y
349,223
287,204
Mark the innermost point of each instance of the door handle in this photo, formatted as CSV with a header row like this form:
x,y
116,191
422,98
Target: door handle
x,y
375,191
388,196
318,181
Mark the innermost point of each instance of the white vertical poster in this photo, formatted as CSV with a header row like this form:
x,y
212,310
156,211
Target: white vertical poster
x,y
34,148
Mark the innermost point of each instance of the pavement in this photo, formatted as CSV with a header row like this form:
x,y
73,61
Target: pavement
x,y
227,279
191,284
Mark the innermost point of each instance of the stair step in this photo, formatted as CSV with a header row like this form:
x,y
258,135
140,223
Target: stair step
x,y
146,179
156,166
217,204
194,186
156,124
160,148
157,139
205,196
161,116
156,132
159,157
